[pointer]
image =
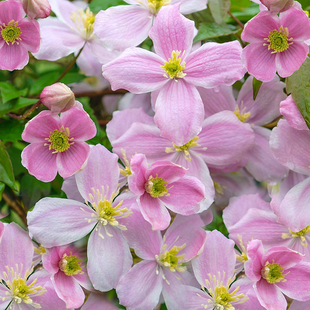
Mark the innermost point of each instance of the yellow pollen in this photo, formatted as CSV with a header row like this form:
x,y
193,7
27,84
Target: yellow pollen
x,y
174,68
59,140
70,265
273,273
156,187
84,21
20,291
184,148
300,234
40,250
126,171
241,115
278,40
218,188
307,13
170,259
243,257
155,5
10,32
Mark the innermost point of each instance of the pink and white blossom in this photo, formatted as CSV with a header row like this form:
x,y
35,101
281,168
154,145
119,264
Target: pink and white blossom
x,y
36,8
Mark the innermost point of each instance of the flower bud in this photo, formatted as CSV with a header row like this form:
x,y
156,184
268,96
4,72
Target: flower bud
x,y
58,97
277,6
36,8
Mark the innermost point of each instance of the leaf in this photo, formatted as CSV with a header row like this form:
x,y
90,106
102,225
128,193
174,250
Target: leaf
x,y
6,169
219,9
213,30
298,84
15,132
9,92
97,5
14,105
72,77
256,86
2,186
44,80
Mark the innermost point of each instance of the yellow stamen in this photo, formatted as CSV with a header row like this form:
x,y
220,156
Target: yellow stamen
x,y
10,32
273,273
156,187
84,21
70,265
155,5
59,140
300,234
278,40
184,148
174,68
241,115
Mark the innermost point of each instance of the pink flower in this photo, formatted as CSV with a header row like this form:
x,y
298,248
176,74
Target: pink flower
x,y
98,302
18,35
274,273
68,274
276,43
57,143
36,8
277,6
162,185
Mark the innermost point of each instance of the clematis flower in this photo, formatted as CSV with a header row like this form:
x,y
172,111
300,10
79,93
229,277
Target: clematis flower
x,y
277,6
36,8
57,143
276,43
18,35
57,222
163,268
98,302
276,272
163,184
68,274
125,26
21,287
175,72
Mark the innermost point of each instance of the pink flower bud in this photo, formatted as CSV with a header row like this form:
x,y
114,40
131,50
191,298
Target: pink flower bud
x,y
36,8
277,6
58,97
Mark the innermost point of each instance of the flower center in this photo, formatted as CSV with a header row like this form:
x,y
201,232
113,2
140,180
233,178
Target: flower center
x,y
155,5
241,115
170,259
20,291
174,68
11,32
278,40
156,187
59,140
184,148
273,273
70,265
300,234
40,250
84,21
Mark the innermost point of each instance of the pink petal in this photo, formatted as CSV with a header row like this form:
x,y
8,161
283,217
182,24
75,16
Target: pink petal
x,y
11,10
115,257
40,161
101,170
141,287
154,212
214,64
259,61
172,32
50,260
179,106
30,34
190,6
97,302
137,70
123,26
287,62
136,181
253,266
13,57
65,221
69,186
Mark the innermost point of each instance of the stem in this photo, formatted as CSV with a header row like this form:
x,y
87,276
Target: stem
x,y
101,92
236,19
16,207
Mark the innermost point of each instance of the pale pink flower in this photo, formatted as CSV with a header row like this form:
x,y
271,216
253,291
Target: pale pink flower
x,y
98,302
18,35
277,43
36,8
163,185
66,266
277,6
57,143
276,272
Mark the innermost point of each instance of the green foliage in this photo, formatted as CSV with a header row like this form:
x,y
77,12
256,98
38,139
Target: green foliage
x,y
97,5
256,87
15,130
298,84
219,9
16,104
9,92
6,169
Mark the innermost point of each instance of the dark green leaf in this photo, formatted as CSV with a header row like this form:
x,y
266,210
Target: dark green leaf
x,y
6,170
15,156
9,92
219,9
15,105
11,130
2,186
72,77
44,80
97,5
256,86
298,84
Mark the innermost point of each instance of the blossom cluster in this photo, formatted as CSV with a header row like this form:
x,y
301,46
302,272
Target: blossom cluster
x,y
206,132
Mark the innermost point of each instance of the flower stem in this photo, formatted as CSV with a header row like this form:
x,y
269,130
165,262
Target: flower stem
x,y
236,19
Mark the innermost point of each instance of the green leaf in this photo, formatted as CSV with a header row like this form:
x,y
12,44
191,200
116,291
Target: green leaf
x,y
15,130
72,77
256,86
298,84
6,169
9,92
15,105
208,31
97,5
44,80
32,190
2,186
219,9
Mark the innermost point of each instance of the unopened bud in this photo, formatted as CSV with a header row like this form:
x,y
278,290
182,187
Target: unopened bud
x,y
58,97
277,6
37,8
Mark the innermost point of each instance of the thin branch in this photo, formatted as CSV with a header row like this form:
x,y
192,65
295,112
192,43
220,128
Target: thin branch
x,y
101,92
236,19
16,207
27,113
